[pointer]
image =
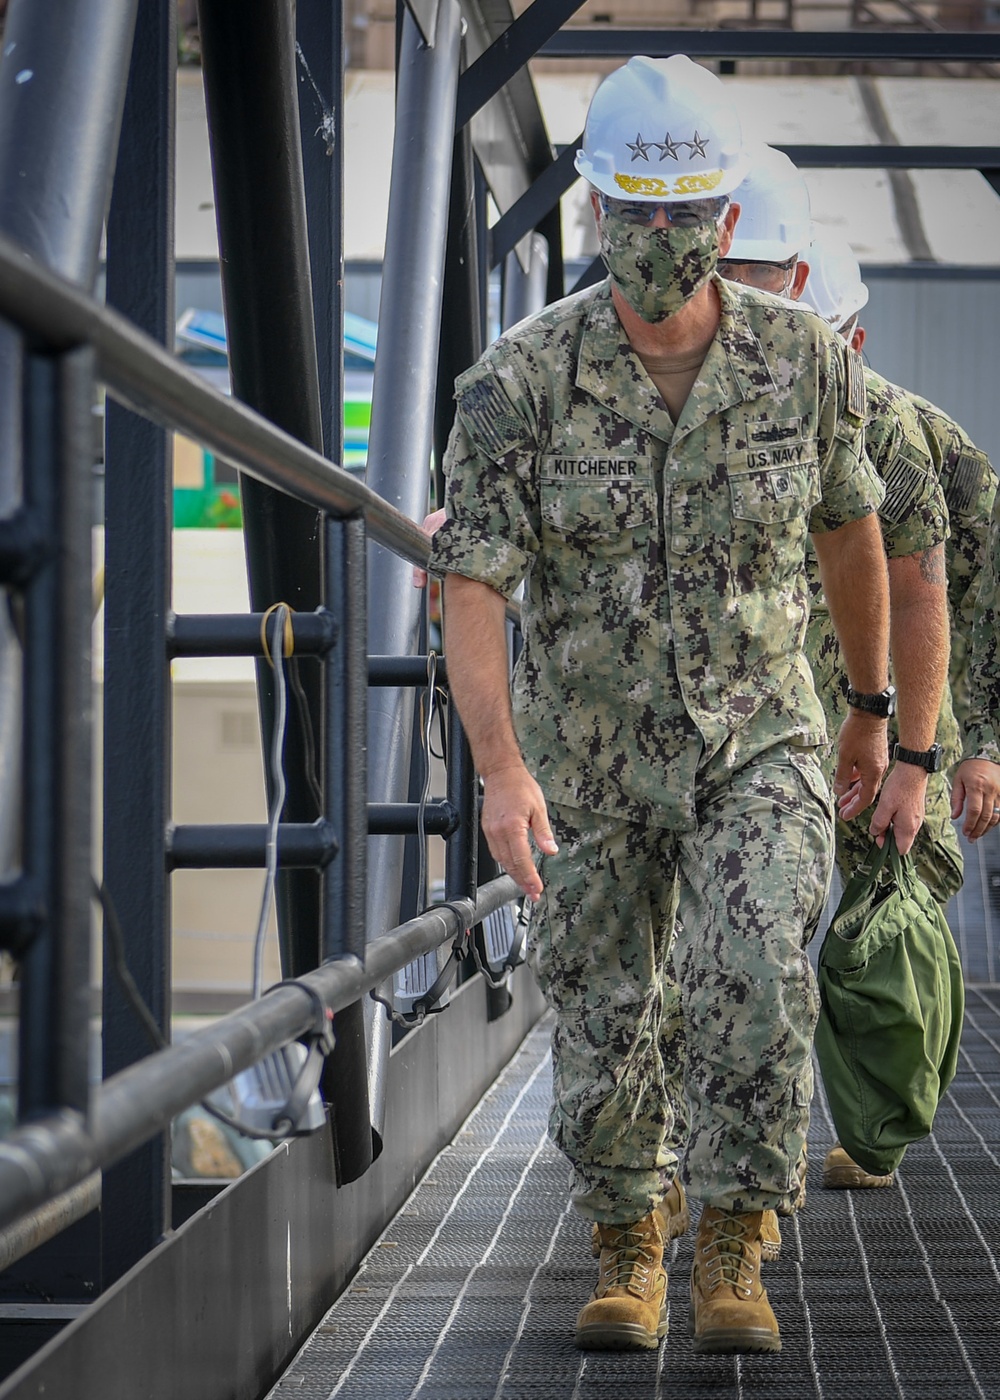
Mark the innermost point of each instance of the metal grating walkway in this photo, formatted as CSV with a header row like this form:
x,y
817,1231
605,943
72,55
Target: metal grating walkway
x,y
472,1291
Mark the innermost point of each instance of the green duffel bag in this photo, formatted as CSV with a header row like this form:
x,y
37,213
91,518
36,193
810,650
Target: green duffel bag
x,y
892,1001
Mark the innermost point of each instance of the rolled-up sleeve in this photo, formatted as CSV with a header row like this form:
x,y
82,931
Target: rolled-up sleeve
x,y
491,533
850,484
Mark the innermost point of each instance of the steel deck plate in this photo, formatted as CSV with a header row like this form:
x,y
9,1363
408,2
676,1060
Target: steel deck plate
x,y
473,1290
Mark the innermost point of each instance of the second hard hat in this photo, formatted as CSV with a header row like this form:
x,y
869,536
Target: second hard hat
x,y
662,129
774,222
834,288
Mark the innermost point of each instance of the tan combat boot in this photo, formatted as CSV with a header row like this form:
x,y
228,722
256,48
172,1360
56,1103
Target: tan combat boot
x,y
672,1214
729,1307
841,1172
770,1237
629,1308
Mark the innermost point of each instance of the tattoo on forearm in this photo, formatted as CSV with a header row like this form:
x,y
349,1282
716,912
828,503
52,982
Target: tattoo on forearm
x,y
932,565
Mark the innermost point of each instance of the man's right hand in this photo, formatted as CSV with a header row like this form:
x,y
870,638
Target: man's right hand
x,y
862,760
430,524
513,805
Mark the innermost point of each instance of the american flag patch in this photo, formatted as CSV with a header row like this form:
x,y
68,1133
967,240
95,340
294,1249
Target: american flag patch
x,y
904,483
857,399
489,416
965,482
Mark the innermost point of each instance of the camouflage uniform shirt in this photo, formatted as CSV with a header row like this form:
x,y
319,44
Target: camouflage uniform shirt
x,y
666,597
982,734
969,484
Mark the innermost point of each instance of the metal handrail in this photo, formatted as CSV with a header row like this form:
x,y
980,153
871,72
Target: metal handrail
x,y
46,1157
148,379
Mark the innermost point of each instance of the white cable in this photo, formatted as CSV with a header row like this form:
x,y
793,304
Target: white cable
x,y
278,795
425,744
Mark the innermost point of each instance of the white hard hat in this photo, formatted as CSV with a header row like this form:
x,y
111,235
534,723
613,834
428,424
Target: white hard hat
x,y
663,129
834,288
774,220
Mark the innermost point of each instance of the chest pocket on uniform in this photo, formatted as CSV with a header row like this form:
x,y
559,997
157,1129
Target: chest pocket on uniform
x,y
773,494
596,517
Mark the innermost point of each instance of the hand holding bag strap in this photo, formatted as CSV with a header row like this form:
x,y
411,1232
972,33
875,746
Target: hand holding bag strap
x,y
862,891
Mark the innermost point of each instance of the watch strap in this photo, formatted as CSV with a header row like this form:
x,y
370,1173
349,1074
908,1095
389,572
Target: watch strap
x,y
930,760
883,703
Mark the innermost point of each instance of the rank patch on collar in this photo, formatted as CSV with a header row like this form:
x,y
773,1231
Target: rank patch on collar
x,y
491,420
856,396
966,482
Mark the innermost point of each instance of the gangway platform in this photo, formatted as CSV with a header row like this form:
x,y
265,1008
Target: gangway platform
x,y
472,1291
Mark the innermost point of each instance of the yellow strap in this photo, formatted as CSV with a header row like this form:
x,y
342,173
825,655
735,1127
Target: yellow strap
x,y
288,643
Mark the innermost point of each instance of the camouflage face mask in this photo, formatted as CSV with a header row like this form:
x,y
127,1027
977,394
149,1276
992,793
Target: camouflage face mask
x,y
658,270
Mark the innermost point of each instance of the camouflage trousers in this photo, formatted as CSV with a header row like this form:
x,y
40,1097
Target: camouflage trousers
x,y
746,889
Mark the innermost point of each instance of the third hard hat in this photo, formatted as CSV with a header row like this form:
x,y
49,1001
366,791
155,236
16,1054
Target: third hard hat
x,y
661,129
834,288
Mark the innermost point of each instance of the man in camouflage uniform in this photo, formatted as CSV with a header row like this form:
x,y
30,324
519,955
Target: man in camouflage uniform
x,y
651,456
771,251
904,429
982,728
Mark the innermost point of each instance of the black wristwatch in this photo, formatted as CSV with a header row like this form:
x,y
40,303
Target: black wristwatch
x,y
932,759
883,704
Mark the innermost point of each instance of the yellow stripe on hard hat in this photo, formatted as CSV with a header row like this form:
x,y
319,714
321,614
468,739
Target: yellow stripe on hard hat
x,y
683,185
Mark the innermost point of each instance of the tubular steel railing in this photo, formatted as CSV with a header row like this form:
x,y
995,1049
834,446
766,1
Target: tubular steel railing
x,y
69,335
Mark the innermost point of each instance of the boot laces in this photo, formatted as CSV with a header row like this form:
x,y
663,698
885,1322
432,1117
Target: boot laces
x,y
729,1260
631,1260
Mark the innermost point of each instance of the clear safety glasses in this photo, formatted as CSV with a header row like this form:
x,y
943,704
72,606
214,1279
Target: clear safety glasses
x,y
681,213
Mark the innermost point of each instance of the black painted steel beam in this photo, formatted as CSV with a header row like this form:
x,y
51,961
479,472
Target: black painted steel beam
x,y
860,45
894,157
43,1159
301,846
401,438
53,1022
251,94
137,565
239,634
404,670
509,53
532,207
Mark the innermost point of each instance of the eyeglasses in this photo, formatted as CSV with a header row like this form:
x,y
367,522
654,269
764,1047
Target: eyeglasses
x,y
686,214
765,276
